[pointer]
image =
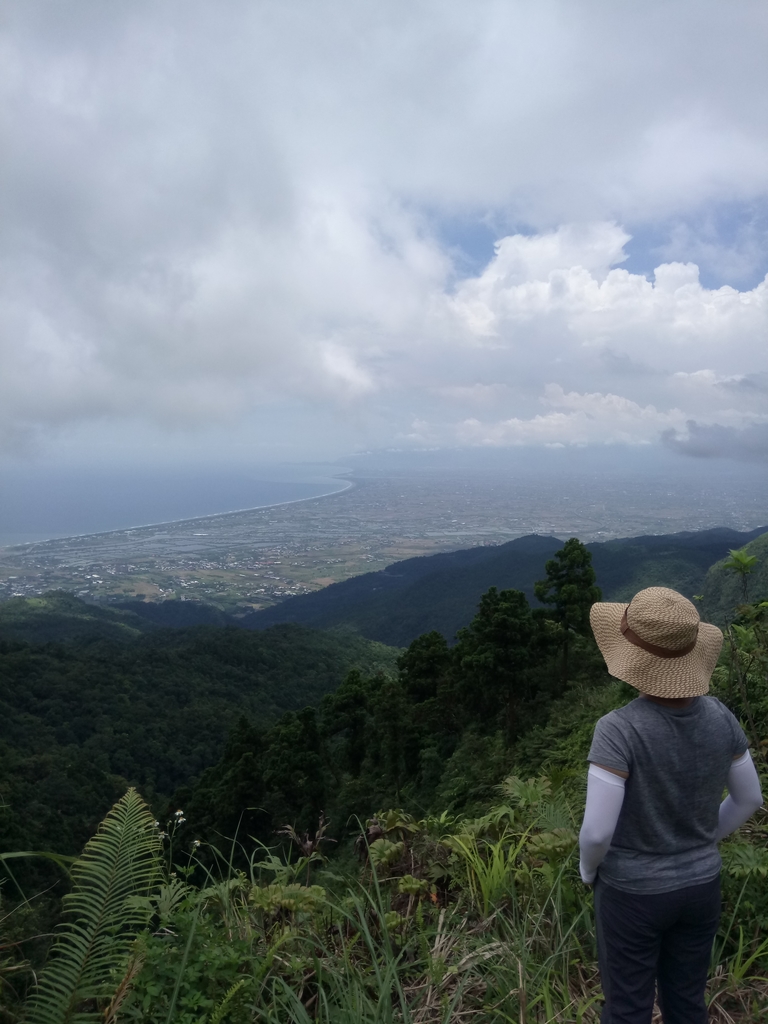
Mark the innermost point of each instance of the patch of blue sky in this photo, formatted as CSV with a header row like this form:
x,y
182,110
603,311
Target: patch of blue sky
x,y
470,238
727,241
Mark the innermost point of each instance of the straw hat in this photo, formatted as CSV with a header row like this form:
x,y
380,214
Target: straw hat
x,y
657,643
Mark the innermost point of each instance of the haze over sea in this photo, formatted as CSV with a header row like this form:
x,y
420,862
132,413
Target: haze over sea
x,y
594,494
41,502
301,527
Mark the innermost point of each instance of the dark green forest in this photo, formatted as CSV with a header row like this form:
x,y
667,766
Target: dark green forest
x,y
252,729
345,831
439,733
441,592
306,720
80,720
388,837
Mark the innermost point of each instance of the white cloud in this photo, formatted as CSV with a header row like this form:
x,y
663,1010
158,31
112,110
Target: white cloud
x,y
672,318
556,315
212,210
342,367
749,444
578,419
596,419
475,394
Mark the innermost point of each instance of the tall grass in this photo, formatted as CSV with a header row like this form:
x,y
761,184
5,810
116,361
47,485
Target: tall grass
x,y
481,920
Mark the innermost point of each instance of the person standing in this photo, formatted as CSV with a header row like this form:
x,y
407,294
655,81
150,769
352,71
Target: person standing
x,y
658,768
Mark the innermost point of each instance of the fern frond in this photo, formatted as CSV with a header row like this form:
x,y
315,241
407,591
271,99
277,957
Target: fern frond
x,y
221,1009
101,920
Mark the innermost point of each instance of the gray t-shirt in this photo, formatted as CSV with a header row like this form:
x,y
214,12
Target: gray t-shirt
x,y
678,763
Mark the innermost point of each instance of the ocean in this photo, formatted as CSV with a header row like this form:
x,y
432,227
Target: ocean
x,y
593,495
45,502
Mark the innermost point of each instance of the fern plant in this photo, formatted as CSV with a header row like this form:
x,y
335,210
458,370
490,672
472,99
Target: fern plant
x,y
101,917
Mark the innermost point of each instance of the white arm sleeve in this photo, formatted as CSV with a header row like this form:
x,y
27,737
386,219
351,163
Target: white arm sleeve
x,y
744,796
605,795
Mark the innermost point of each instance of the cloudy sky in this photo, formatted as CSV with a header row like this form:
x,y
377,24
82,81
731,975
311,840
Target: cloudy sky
x,y
298,228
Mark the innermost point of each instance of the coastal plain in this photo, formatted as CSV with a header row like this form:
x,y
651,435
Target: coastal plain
x,y
249,560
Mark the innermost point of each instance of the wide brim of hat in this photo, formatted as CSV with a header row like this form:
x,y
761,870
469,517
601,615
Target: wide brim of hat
x,y
688,676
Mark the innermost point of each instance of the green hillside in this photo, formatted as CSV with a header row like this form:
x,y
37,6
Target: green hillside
x,y
441,592
80,720
96,696
445,785
61,617
722,590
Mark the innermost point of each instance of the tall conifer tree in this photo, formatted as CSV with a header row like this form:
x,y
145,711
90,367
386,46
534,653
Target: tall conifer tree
x,y
571,589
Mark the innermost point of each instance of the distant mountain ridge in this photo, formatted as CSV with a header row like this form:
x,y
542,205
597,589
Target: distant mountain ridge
x,y
441,592
434,592
59,617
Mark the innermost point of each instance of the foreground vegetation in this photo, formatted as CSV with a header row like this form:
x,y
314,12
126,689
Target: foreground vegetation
x,y
461,901
446,919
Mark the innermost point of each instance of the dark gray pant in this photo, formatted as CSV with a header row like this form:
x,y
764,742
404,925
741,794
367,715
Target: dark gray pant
x,y
665,937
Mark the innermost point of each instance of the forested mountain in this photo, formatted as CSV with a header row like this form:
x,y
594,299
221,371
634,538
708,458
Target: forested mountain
x,y
521,688
456,773
96,697
441,733
417,595
79,720
60,617
441,592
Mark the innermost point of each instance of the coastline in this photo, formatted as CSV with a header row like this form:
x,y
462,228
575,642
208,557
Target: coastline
x,y
26,546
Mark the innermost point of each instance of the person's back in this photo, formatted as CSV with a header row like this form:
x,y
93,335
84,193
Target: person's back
x,y
678,761
658,767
